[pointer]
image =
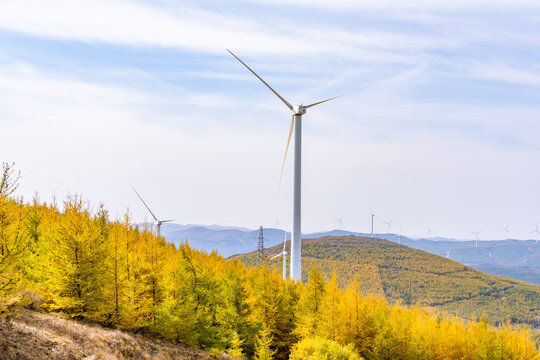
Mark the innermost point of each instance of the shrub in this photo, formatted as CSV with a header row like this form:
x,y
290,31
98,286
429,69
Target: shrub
x,y
317,348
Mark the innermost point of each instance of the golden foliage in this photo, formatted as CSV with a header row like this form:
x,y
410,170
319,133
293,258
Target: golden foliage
x,y
84,264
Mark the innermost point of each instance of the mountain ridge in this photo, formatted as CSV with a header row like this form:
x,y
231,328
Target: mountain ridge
x,y
518,259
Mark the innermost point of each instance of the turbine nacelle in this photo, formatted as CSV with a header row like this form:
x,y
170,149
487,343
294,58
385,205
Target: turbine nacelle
x,y
298,109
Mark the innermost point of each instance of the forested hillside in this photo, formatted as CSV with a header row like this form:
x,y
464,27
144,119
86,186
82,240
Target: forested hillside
x,y
416,277
82,264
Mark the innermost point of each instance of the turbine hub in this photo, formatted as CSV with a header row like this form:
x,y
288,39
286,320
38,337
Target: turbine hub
x,y
299,109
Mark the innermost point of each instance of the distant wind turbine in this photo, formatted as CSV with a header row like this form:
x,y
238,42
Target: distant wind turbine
x,y
400,231
372,216
340,222
284,254
389,224
429,231
536,232
276,224
448,253
476,233
296,127
157,221
506,230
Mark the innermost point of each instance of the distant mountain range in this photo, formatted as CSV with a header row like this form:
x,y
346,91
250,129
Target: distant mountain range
x,y
517,259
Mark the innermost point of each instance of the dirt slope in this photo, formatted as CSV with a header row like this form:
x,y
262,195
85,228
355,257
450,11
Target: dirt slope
x,y
32,335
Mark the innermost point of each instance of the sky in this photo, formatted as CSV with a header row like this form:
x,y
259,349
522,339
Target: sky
x,y
99,96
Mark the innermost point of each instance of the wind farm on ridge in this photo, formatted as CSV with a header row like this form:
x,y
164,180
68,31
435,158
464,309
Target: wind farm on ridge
x,y
399,220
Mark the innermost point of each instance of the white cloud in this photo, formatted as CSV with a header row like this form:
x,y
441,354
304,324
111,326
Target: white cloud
x,y
131,23
136,24
507,74
419,5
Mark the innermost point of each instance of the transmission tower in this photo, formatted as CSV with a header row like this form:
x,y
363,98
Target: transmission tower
x,y
260,247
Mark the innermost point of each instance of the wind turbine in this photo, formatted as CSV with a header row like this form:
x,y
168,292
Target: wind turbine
x,y
340,221
372,216
448,253
536,232
476,235
429,231
389,224
506,230
158,222
277,223
296,127
284,254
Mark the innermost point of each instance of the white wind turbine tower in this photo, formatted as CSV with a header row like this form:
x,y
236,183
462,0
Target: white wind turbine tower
x,y
448,253
284,254
296,127
476,235
158,222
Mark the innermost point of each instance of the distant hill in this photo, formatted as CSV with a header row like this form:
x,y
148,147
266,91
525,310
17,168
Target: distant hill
x,y
413,276
517,259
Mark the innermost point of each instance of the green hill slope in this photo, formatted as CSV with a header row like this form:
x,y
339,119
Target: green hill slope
x,y
414,276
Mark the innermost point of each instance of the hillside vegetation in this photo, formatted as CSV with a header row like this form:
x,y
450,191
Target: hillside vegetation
x,y
412,277
84,265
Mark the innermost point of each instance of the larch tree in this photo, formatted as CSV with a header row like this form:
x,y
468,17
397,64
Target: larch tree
x,y
13,238
76,258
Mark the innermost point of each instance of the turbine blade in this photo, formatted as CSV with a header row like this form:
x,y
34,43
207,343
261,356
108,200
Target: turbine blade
x,y
154,216
335,97
286,150
264,82
164,221
273,257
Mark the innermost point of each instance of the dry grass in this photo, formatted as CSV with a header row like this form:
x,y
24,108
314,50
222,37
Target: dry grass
x,y
34,336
